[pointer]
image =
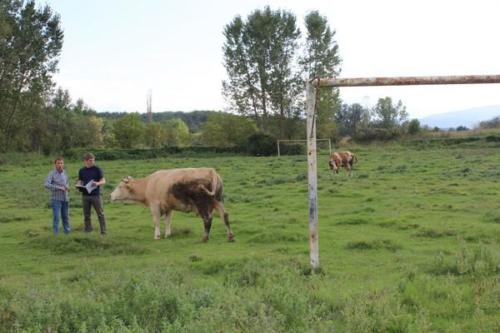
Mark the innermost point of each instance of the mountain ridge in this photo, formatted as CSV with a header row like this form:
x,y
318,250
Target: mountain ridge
x,y
468,117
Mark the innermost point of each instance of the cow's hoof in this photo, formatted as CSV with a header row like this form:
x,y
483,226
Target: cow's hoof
x,y
157,238
230,238
204,239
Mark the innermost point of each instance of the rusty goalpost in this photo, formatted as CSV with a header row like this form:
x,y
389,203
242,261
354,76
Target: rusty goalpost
x,y
312,88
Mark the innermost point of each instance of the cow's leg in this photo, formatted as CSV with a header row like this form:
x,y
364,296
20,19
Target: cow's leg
x,y
155,211
225,219
207,222
168,223
349,165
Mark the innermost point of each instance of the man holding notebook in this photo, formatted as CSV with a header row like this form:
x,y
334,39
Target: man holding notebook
x,y
90,178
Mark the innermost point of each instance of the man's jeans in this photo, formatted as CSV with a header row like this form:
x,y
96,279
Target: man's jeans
x,y
60,207
87,202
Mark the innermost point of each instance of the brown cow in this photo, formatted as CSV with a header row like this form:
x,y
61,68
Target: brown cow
x,y
190,189
340,159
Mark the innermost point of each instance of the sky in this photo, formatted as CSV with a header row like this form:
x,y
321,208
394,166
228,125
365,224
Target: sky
x,y
115,51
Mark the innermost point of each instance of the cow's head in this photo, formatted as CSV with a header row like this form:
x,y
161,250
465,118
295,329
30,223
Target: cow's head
x,y
333,165
123,191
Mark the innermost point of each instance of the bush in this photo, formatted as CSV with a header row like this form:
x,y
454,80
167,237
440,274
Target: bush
x,y
493,138
137,154
382,134
261,145
293,149
414,127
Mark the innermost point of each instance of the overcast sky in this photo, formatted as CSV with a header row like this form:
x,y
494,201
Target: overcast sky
x,y
116,50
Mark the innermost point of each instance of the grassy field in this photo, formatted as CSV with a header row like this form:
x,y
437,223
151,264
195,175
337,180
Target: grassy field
x,y
410,243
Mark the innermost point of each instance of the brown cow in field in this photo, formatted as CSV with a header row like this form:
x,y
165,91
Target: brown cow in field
x,y
189,189
340,159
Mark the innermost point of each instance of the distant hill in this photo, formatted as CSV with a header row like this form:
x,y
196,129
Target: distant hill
x,y
469,118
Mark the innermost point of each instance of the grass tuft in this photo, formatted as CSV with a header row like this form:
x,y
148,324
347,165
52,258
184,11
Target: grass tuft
x,y
277,237
432,233
385,244
492,216
353,221
469,261
9,218
90,245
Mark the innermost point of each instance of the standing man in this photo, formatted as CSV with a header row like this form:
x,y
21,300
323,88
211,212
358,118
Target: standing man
x,y
58,183
90,178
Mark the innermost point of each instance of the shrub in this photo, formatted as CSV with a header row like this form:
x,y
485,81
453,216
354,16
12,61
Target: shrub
x,y
261,145
293,149
414,127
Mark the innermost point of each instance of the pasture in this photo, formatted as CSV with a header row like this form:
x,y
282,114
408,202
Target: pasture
x,y
409,243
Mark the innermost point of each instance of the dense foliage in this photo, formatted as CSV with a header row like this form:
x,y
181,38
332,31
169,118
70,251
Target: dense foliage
x,y
266,57
30,43
266,67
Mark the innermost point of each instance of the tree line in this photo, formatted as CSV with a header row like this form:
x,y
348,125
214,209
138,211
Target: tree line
x,y
266,56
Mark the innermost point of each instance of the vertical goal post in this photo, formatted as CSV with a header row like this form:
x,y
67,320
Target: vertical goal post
x,y
305,140
312,89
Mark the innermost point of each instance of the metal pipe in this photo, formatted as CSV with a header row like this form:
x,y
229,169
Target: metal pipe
x,y
405,80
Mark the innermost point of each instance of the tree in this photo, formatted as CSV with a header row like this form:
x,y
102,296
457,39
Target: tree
x,y
258,57
88,131
351,118
493,123
177,133
215,131
321,59
60,125
155,135
389,116
30,43
129,130
414,127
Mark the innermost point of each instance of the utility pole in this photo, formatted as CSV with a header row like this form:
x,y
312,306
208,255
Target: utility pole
x,y
149,106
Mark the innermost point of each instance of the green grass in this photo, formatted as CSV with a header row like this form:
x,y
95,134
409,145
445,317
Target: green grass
x,y
410,243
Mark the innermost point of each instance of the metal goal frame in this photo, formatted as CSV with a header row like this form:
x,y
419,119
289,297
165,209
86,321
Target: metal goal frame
x,y
312,89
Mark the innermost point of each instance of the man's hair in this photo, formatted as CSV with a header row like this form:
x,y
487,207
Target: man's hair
x,y
58,158
88,156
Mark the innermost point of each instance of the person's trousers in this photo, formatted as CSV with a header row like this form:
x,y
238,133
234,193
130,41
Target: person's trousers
x,y
87,202
60,208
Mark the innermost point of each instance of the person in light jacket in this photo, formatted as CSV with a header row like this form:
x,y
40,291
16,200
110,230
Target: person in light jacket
x,y
57,183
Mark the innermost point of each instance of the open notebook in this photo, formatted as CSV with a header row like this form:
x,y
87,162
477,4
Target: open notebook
x,y
89,187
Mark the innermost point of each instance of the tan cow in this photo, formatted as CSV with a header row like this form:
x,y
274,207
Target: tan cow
x,y
190,189
340,159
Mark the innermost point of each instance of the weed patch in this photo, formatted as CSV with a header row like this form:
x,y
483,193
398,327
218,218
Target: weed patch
x,y
353,221
375,311
432,233
374,245
493,216
277,237
9,218
469,261
84,244
181,232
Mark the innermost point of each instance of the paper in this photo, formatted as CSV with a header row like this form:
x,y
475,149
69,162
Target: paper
x,y
89,187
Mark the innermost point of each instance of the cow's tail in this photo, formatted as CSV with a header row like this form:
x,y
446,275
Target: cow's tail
x,y
215,183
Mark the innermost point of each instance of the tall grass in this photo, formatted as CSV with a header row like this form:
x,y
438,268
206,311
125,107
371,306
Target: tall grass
x,y
409,243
